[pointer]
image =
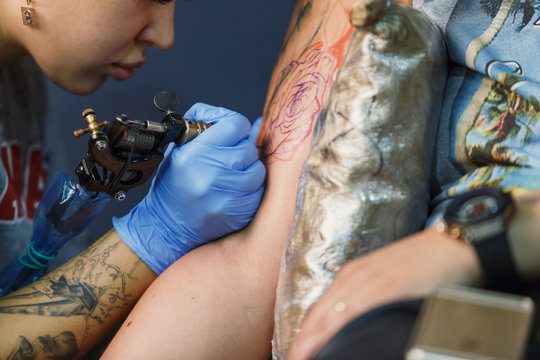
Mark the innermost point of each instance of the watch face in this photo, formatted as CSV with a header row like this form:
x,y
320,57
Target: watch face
x,y
477,206
477,209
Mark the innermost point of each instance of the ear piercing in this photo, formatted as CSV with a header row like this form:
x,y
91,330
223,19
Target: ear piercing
x,y
29,16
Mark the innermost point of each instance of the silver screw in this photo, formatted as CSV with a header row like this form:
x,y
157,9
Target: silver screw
x,y
120,195
101,145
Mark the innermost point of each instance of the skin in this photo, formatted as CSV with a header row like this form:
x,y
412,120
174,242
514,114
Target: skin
x,y
72,53
80,301
217,301
397,272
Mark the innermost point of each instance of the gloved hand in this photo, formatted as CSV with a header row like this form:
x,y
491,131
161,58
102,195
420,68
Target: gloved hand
x,y
202,190
255,127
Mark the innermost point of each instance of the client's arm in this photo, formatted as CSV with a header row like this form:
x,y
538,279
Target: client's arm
x,y
218,301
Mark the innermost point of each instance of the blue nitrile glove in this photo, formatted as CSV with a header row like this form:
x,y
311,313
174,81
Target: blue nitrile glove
x,y
202,190
255,127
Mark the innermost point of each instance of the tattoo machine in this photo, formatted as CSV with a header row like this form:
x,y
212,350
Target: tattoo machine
x,y
128,151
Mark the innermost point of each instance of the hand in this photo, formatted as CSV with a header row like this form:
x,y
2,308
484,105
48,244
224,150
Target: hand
x,y
203,190
408,269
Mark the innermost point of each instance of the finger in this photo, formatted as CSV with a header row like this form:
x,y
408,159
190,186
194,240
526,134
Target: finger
x,y
207,113
228,131
229,127
247,155
238,157
255,127
247,181
307,344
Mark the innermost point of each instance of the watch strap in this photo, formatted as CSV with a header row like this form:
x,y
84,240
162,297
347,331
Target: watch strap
x,y
497,263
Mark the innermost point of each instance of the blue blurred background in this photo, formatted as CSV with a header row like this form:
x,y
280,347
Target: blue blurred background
x,y
224,53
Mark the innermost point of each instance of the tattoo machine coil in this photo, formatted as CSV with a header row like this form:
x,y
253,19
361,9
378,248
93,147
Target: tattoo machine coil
x,y
128,151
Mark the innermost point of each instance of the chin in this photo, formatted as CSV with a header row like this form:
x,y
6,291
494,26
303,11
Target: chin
x,y
82,86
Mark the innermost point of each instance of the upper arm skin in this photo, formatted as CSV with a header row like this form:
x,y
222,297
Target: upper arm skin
x,y
218,300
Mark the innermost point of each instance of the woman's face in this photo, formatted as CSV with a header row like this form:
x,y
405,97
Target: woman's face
x,y
80,43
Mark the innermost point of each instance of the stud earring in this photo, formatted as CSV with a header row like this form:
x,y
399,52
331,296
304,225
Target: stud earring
x,y
29,16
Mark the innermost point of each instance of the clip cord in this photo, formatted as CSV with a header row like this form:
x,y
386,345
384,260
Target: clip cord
x,y
36,264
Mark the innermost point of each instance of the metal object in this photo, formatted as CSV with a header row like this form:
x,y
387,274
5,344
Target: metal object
x,y
166,101
123,153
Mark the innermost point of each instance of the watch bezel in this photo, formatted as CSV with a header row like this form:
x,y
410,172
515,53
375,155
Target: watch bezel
x,y
485,226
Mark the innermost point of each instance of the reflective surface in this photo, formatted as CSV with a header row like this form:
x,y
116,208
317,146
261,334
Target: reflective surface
x,y
365,183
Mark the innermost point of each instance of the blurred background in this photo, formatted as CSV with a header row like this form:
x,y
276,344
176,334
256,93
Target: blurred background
x,y
223,55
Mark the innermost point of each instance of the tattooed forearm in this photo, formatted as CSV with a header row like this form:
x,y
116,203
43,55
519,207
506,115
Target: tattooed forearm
x,y
81,301
90,286
59,347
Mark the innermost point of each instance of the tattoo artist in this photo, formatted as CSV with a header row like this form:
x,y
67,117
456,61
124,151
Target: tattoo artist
x,y
202,191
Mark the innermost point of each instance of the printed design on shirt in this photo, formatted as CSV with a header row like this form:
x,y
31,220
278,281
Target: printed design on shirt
x,y
510,74
497,139
24,187
519,12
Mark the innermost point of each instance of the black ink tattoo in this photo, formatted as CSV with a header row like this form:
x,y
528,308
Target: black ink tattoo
x,y
301,11
62,346
91,286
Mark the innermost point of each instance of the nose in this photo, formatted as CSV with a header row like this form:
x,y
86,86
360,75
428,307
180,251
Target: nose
x,y
159,31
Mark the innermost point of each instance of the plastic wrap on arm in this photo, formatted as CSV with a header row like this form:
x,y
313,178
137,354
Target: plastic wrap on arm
x,y
366,180
65,210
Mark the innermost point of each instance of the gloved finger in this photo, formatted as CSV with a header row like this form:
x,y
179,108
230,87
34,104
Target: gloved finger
x,y
238,157
255,127
164,164
228,131
168,150
207,113
247,181
223,159
236,127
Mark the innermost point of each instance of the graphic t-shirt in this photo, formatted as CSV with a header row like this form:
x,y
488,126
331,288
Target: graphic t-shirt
x,y
489,133
22,169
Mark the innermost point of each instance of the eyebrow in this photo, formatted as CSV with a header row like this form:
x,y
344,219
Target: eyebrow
x,y
163,1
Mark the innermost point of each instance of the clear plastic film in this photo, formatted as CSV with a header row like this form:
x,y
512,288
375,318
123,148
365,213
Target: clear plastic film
x,y
366,180
65,210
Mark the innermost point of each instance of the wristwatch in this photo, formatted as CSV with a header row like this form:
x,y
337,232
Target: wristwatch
x,y
480,217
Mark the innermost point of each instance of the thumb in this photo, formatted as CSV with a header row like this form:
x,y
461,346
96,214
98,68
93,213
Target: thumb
x,y
255,127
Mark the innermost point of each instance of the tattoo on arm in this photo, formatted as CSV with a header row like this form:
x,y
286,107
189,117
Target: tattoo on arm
x,y
296,102
91,286
303,85
301,11
59,347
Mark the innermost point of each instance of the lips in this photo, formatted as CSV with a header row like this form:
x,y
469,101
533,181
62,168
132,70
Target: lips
x,y
124,71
